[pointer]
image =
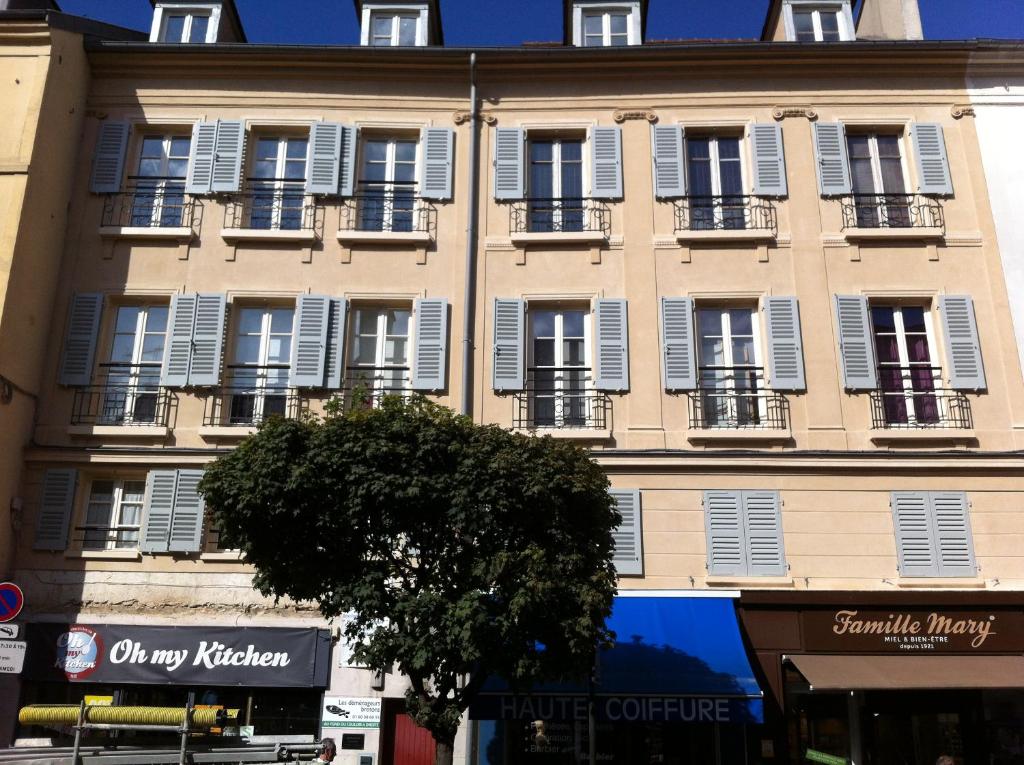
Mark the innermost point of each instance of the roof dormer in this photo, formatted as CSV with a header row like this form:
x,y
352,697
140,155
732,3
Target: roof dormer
x,y
604,23
195,22
399,23
809,21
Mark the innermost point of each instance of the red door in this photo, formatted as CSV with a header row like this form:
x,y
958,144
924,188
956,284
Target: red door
x,y
405,743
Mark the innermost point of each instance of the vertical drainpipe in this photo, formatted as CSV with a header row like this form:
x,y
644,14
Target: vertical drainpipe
x,y
469,309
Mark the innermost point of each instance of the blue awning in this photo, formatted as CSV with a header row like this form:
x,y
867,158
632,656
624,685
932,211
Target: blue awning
x,y
675,659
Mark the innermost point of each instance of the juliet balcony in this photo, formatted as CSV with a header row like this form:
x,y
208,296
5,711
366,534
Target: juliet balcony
x,y
912,398
734,403
725,218
892,216
392,216
566,221
273,211
562,402
150,208
126,400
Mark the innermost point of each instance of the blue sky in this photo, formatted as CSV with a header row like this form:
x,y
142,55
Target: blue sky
x,y
510,22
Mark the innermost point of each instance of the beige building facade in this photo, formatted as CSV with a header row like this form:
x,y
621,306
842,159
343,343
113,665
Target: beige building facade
x,y
760,280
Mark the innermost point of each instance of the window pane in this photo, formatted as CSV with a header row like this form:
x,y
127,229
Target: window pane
x,y
888,349
149,168
593,24
382,25
281,320
394,352
913,319
153,347
398,323
743,351
917,350
127,319
156,318
741,322
572,353
181,146
618,23
712,351
883,319
544,352
247,349
829,26
572,323
407,30
698,166
200,24
250,320
892,176
804,25
122,348
177,168
296,148
279,348
174,28
543,323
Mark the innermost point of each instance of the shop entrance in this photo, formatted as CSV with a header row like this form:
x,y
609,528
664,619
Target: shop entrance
x,y
907,728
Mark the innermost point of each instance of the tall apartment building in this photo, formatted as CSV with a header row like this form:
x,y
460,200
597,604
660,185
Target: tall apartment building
x,y
761,280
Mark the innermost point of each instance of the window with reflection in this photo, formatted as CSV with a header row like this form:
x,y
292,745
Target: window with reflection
x,y
555,184
378,353
159,182
132,384
185,27
261,360
715,177
278,183
387,184
908,374
879,183
559,374
394,29
731,372
606,28
113,515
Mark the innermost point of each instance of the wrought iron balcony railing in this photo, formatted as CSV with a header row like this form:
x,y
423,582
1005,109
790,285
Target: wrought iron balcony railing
x,y
273,206
397,210
912,397
256,394
892,211
726,213
736,398
127,395
150,203
555,216
561,398
366,387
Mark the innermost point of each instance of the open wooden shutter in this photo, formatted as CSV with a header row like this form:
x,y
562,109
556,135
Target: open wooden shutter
x,y
334,363
309,341
933,176
832,160
679,367
55,508
855,346
178,343
431,351
785,343
963,348
669,165
108,161
915,533
723,523
207,340
80,339
509,163
347,171
509,344
437,146
628,536
200,161
227,160
762,521
769,160
954,545
611,321
606,162
158,509
324,158
186,530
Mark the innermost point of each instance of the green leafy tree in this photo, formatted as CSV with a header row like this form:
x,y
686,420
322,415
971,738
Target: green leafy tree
x,y
460,551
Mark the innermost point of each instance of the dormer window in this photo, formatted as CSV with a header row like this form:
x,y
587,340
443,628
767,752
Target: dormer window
x,y
394,29
606,24
399,23
194,22
815,21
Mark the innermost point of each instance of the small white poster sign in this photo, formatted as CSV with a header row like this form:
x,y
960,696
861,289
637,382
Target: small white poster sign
x,y
12,656
349,712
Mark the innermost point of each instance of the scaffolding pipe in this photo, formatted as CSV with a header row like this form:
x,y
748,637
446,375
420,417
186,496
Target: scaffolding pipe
x,y
173,717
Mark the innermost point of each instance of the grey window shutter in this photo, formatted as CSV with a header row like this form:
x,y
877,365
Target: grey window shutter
x,y
227,160
55,508
679,367
606,166
187,516
178,343
323,161
108,161
762,520
963,349
207,340
200,161
769,160
856,349
431,352
915,542
437,152
158,510
334,364
785,343
933,176
954,545
723,523
80,339
669,167
347,171
509,163
628,536
309,341
832,160
611,320
509,344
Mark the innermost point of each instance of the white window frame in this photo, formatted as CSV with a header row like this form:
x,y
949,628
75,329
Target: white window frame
x,y
115,517
846,26
389,185
559,337
156,214
260,389
136,362
381,384
162,10
876,161
582,9
556,178
728,361
904,354
370,10
716,168
278,186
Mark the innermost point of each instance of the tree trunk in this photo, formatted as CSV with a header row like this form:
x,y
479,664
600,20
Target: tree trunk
x,y
444,752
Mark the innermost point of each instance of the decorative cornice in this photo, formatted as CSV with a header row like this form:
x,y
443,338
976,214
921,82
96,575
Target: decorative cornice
x,y
781,112
621,115
962,110
462,117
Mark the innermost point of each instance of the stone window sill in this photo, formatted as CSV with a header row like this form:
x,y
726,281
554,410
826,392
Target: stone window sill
x,y
307,236
416,238
224,556
751,435
737,235
939,583
577,434
104,554
749,582
924,233
944,435
524,239
225,431
176,233
120,431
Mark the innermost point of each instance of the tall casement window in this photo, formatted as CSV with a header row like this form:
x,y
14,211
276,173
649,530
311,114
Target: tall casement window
x,y
185,26
132,386
378,353
260,364
602,29
715,174
278,183
730,366
387,184
159,197
389,29
113,515
878,179
557,366
555,184
908,372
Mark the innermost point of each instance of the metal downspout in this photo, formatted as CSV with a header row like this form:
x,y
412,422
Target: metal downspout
x,y
469,307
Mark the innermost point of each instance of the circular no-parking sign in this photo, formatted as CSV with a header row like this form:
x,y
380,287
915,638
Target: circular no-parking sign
x,y
11,601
